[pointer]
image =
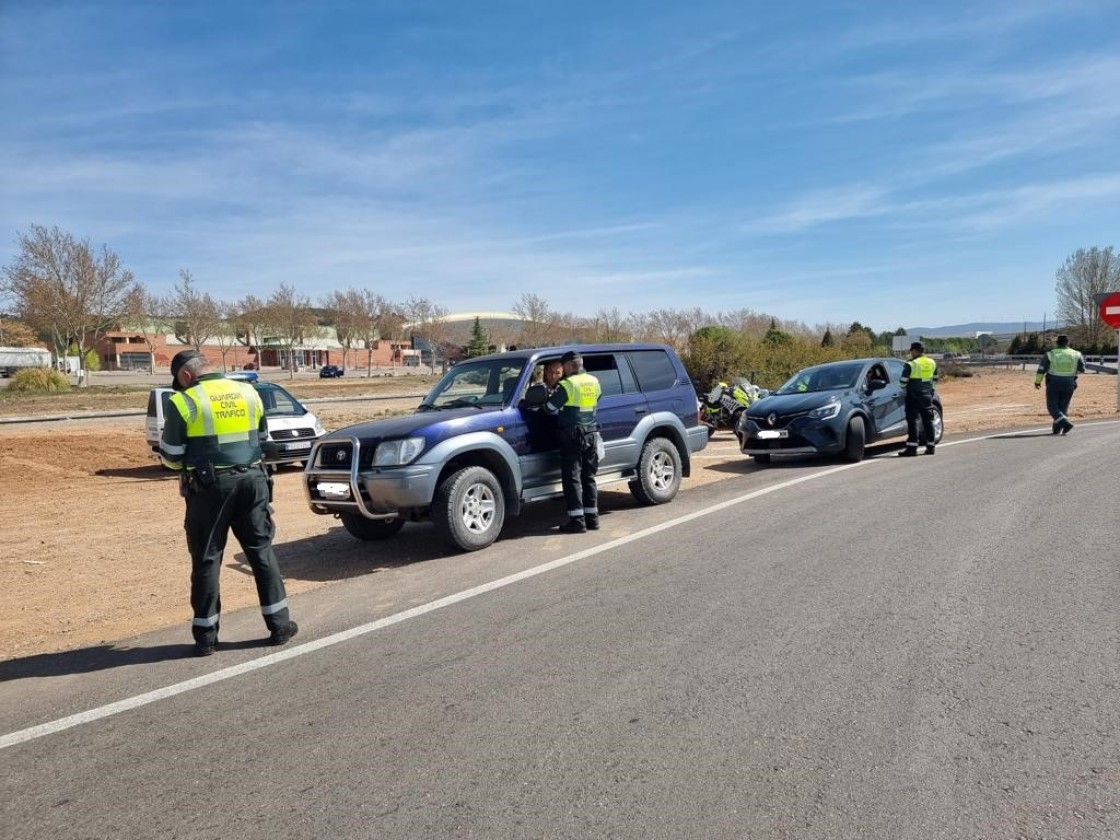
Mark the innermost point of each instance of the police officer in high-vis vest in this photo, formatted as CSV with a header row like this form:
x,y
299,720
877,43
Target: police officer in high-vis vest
x,y
919,376
212,437
574,404
1060,367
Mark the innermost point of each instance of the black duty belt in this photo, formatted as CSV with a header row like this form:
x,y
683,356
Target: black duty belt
x,y
239,468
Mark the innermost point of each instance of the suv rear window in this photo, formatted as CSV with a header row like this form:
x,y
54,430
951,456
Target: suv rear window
x,y
654,369
605,369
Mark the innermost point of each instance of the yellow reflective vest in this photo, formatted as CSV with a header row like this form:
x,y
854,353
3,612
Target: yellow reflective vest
x,y
217,420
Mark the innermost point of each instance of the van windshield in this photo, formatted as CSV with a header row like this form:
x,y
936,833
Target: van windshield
x,y
278,402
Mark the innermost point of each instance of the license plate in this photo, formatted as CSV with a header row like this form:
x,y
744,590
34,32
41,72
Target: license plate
x,y
333,490
771,434
301,444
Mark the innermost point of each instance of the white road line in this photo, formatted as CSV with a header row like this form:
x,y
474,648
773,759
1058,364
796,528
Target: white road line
x,y
51,727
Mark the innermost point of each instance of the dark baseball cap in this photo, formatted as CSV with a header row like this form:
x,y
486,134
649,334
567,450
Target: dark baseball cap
x,y
181,358
571,356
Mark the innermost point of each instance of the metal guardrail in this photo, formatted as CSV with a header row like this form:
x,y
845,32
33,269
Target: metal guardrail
x,y
1103,364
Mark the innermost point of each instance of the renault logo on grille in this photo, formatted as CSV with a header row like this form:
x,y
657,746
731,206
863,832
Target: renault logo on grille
x,y
771,418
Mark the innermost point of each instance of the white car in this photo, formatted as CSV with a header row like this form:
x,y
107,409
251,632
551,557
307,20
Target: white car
x,y
291,425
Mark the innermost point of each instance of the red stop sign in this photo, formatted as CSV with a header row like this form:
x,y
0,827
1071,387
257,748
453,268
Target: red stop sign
x,y
1110,310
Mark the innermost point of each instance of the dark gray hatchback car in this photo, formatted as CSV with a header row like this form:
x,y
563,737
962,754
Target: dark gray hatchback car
x,y
475,451
835,408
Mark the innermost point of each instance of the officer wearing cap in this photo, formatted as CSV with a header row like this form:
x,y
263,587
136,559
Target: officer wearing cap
x,y
919,376
1060,367
574,403
212,437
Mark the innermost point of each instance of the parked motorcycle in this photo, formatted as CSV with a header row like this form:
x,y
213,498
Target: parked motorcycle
x,y
721,406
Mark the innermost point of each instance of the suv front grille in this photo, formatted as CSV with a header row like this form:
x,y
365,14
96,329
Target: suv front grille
x,y
339,456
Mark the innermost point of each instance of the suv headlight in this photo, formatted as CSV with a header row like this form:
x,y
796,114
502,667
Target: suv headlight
x,y
826,411
393,453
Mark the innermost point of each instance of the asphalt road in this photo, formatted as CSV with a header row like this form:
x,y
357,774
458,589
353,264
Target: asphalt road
x,y
924,648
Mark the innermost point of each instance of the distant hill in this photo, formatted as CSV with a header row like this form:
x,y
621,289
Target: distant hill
x,y
970,330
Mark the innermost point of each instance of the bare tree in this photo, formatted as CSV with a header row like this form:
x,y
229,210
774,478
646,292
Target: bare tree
x,y
251,322
664,326
609,326
291,319
226,333
345,310
538,322
197,318
150,315
1087,272
371,323
61,288
429,321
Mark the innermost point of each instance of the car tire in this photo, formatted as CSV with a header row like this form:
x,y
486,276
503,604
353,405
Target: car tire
x,y
761,459
469,508
370,529
659,472
855,441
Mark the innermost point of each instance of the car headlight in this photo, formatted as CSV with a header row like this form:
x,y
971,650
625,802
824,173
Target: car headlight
x,y
826,411
319,429
393,453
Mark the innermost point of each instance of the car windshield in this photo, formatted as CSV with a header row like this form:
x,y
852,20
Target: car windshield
x,y
824,378
489,382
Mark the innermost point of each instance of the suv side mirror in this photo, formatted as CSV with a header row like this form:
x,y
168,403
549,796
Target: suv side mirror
x,y
535,395
876,385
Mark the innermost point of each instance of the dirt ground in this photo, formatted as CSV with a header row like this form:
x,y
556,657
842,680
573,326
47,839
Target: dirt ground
x,y
91,541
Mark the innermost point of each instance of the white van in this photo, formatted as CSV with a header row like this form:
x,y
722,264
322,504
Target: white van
x,y
291,426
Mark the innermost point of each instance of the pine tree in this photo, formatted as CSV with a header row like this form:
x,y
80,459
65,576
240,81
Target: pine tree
x,y
478,345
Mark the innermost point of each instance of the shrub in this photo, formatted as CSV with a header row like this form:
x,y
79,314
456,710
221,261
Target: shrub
x,y
38,381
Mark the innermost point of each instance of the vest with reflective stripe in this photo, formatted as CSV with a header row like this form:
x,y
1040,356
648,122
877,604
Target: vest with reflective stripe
x,y
1063,361
923,370
223,419
582,390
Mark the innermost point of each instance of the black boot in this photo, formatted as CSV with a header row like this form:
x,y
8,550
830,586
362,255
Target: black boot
x,y
574,526
930,450
592,523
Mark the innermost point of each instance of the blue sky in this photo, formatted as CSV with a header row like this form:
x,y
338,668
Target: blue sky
x,y
899,164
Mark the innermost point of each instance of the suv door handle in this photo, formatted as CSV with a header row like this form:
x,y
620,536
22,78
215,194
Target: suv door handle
x,y
640,410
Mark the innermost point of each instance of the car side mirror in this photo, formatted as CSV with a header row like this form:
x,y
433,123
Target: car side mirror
x,y
535,395
876,385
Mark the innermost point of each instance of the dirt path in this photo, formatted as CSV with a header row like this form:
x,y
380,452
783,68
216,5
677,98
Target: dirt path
x,y
91,541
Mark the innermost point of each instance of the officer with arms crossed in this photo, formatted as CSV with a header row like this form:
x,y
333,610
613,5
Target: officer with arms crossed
x,y
1060,366
574,404
918,378
212,437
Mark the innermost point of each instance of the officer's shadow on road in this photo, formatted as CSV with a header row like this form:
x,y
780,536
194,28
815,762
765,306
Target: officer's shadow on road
x,y
1018,435
98,658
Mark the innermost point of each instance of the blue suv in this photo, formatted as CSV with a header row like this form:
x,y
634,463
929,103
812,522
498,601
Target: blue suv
x,y
476,450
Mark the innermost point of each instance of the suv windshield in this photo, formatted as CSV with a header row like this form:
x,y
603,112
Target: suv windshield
x,y
483,383
824,378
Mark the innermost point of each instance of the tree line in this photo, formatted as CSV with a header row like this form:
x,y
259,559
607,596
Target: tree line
x,y
69,294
